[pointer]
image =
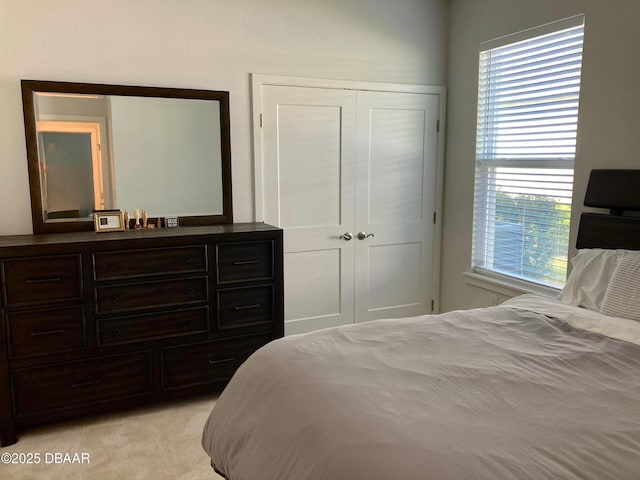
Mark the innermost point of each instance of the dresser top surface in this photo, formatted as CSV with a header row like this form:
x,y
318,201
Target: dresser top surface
x,y
8,241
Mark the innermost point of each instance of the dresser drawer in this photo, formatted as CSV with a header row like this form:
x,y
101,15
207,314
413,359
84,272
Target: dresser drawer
x,y
70,385
33,281
244,261
153,326
245,306
140,296
141,263
45,332
207,362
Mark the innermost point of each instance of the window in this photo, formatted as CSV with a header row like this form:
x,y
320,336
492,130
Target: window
x,y
528,95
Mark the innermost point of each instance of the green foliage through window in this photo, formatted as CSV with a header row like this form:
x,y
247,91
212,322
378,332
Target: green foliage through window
x,y
531,247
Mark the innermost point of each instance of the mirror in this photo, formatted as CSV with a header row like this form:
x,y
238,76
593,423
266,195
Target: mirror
x,y
102,147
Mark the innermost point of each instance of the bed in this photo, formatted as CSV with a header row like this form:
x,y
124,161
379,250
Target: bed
x,y
536,388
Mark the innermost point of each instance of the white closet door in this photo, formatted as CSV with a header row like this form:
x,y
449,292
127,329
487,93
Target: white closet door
x,y
308,142
395,201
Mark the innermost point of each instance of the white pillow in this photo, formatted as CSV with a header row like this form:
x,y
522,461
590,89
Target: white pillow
x,y
622,298
589,277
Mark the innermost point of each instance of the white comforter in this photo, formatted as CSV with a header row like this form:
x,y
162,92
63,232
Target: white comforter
x,y
487,394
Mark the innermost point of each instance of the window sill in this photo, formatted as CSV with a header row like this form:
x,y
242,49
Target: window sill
x,y
509,287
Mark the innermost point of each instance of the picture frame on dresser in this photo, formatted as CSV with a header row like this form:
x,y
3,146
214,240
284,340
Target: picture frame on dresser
x,y
108,221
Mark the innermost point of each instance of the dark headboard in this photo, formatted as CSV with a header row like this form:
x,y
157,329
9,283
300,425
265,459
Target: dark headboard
x,y
619,191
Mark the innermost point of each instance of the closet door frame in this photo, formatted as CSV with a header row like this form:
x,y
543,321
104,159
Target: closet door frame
x,y
259,80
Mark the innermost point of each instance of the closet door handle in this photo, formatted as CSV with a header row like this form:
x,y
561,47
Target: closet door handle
x,y
346,236
363,235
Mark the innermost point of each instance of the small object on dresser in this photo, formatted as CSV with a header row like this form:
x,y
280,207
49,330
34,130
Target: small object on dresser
x,y
170,222
126,219
136,214
108,221
144,218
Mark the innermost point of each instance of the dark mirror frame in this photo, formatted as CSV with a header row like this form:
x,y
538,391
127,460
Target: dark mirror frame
x,y
29,87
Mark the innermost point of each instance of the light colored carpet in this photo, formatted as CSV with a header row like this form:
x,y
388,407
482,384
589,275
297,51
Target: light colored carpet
x,y
158,442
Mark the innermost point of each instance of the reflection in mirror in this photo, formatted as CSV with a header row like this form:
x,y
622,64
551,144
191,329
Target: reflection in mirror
x,y
96,147
70,155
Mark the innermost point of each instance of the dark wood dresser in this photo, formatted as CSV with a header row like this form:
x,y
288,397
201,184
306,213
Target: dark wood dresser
x,y
95,322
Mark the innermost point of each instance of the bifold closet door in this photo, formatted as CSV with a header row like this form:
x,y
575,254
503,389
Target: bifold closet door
x,y
309,191
351,178
397,141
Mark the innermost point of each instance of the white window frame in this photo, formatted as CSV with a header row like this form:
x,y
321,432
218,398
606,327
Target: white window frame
x,y
483,202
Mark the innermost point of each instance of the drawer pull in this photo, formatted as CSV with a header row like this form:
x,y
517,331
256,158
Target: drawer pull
x,y
189,260
192,291
218,362
114,299
238,308
32,281
246,262
48,332
85,384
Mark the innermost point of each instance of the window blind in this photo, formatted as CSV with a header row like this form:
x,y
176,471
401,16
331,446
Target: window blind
x,y
528,97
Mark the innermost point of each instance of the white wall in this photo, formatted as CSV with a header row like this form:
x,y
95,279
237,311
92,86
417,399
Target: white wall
x,y
609,123
209,44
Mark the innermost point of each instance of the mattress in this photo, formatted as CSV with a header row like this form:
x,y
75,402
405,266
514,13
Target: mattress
x,y
517,391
